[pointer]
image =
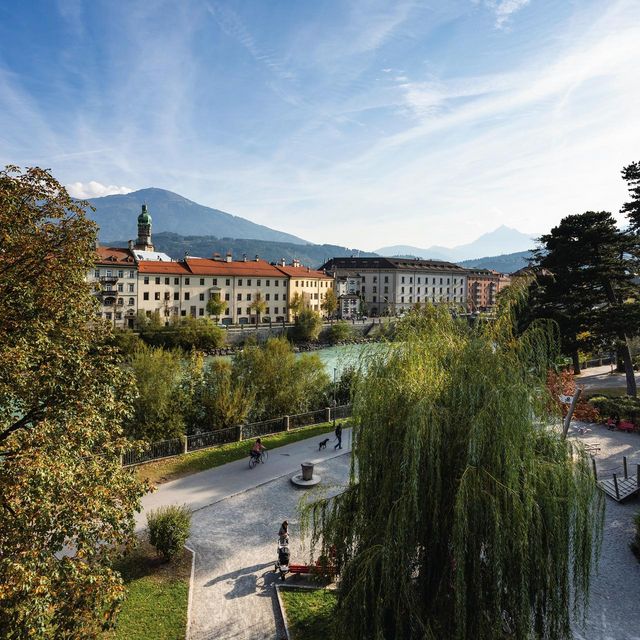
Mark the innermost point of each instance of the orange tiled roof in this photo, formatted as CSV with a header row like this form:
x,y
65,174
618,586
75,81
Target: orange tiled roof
x,y
114,255
303,272
207,266
162,266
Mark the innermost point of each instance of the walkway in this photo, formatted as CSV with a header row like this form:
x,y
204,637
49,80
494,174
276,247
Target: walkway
x,y
602,378
208,487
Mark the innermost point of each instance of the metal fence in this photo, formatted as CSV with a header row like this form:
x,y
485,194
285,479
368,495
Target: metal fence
x,y
177,446
154,451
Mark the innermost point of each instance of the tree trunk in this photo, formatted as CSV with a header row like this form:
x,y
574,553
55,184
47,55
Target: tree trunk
x,y
625,352
575,356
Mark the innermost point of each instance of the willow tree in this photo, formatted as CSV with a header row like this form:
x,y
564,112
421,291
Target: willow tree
x,y
466,514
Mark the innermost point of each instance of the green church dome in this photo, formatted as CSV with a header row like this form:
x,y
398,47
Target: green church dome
x,y
144,217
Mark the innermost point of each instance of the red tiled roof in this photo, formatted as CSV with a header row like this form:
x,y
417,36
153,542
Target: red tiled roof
x,y
113,255
303,272
207,266
161,266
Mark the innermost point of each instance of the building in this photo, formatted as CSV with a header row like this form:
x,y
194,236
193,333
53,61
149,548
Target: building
x,y
392,286
348,294
483,288
306,284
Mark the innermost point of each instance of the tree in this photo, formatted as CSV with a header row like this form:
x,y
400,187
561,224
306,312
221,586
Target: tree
x,y
63,397
330,303
589,289
215,306
258,306
444,529
308,325
631,175
296,305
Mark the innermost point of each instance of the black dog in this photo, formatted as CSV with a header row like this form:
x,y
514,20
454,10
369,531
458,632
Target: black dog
x,y
323,444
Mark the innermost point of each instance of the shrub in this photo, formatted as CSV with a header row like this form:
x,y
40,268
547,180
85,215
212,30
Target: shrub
x,y
623,407
563,383
169,529
307,327
635,544
340,331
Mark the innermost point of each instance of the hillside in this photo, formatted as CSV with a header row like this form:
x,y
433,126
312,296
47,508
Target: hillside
x,y
502,240
205,246
116,216
506,263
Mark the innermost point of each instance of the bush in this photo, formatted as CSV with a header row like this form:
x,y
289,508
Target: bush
x,y
307,327
622,407
339,332
635,544
169,529
563,383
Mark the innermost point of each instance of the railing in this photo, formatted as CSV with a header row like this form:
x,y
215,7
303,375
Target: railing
x,y
178,446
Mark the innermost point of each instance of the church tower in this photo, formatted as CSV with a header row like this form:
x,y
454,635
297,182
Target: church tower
x,y
143,242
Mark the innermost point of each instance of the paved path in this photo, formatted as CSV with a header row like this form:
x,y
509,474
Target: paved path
x,y
207,487
602,378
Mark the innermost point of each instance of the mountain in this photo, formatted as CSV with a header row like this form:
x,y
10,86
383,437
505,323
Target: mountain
x,y
116,216
499,241
507,263
205,246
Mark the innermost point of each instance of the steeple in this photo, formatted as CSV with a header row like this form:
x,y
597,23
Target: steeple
x,y
143,242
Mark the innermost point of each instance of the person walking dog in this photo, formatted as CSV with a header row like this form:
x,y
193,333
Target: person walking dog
x,y
338,437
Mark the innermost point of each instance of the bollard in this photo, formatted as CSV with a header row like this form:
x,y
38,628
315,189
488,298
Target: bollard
x,y
615,485
638,475
327,414
185,444
240,433
624,464
285,421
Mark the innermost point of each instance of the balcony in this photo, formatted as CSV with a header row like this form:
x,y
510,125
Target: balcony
x,y
108,279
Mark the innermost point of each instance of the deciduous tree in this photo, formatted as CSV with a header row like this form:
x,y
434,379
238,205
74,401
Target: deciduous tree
x,y
66,503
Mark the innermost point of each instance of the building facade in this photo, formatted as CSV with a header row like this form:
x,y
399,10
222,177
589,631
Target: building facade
x,y
392,286
483,288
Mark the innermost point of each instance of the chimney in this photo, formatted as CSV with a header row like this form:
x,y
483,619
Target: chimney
x,y
229,256
257,258
130,245
296,262
216,256
283,262
244,257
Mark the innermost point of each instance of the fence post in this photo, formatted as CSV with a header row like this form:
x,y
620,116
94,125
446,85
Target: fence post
x,y
327,414
240,433
185,444
285,423
595,473
615,486
624,462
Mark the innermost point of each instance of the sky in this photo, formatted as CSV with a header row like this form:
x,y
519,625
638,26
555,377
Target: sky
x,y
363,123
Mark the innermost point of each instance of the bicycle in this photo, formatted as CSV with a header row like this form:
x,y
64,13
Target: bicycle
x,y
254,460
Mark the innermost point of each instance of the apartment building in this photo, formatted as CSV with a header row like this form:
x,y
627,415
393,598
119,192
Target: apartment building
x,y
483,288
310,285
392,286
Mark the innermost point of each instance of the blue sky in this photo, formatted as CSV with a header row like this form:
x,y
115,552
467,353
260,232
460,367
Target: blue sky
x,y
363,123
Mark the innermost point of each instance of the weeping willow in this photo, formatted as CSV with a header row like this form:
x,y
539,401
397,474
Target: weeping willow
x,y
466,514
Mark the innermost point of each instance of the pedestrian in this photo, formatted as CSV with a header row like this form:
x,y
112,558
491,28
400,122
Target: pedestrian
x,y
338,437
283,534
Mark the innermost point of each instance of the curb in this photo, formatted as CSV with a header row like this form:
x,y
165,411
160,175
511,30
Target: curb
x,y
191,580
291,587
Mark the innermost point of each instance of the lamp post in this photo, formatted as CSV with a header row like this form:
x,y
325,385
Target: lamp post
x,y
334,398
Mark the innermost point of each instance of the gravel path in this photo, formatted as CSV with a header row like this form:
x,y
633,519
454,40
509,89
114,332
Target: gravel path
x,y
613,612
235,542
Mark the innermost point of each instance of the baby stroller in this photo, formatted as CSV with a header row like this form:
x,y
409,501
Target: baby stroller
x,y
282,563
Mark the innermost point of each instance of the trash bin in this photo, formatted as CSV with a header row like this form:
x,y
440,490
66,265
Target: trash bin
x,y
307,470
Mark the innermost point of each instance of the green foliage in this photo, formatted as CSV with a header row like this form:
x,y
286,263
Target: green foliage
x,y
635,544
169,529
631,175
280,383
159,407
63,397
330,303
340,331
126,341
623,407
215,306
307,326
182,333
465,516
346,385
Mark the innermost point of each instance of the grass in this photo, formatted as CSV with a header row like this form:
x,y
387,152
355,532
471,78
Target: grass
x,y
155,607
309,612
184,465
591,392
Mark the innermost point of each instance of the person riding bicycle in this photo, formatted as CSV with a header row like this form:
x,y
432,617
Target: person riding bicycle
x,y
257,449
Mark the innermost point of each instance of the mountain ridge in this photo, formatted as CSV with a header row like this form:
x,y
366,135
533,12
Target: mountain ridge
x,y
174,213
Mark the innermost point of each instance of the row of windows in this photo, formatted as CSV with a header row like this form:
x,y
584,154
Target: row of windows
x,y
113,273
418,280
108,287
214,281
433,299
311,283
433,290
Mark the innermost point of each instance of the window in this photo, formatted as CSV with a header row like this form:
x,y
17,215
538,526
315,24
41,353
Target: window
x,y
363,290
167,295
109,273
268,283
240,282
226,297
239,311
202,296
145,295
239,296
386,279
187,281
157,280
146,279
226,311
248,296
227,282
402,299
268,311
120,287
386,289
131,302
186,295
130,287
267,296
215,282
375,278
148,314
120,301
183,312
315,296
296,283
201,312
156,295
108,315
275,310
276,283
362,278
375,299
119,315
418,280
402,290
275,296
96,273
375,290
120,273
132,274
248,311
176,295
402,280
176,281
201,281
167,280
411,280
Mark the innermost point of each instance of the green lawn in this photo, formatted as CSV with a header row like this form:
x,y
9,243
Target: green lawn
x,y
184,465
309,613
155,607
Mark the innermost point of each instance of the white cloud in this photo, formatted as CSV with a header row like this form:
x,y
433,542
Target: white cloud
x,y
504,9
93,189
